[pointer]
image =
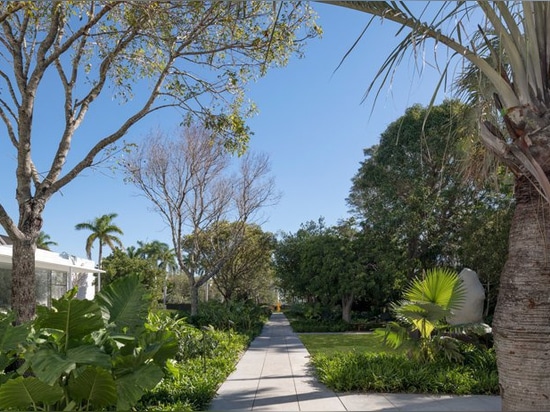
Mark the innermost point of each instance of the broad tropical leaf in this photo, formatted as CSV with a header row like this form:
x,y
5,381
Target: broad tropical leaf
x,y
95,386
430,312
12,336
160,346
74,318
24,393
49,365
132,386
124,303
393,335
89,355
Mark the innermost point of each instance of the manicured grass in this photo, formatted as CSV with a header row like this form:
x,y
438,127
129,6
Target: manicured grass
x,y
331,343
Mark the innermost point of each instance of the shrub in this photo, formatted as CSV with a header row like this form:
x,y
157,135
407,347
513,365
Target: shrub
x,y
204,360
84,355
242,317
400,374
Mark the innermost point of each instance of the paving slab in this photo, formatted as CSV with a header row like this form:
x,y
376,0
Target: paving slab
x,y
274,375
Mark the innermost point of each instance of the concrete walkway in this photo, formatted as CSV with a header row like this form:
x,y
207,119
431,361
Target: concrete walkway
x,y
273,375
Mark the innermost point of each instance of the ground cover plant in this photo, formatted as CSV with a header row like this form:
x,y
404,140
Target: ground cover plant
x,y
427,357
210,345
394,373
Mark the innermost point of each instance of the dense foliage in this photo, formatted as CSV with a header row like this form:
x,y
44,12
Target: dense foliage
x,y
413,195
82,355
114,353
331,266
367,372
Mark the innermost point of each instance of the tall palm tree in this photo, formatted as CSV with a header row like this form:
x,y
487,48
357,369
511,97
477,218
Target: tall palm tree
x,y
44,241
158,252
519,72
104,231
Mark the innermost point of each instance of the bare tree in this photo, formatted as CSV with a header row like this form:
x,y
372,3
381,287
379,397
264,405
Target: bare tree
x,y
189,182
196,56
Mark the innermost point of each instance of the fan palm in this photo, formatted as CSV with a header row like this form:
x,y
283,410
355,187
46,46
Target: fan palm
x,y
426,303
519,73
104,231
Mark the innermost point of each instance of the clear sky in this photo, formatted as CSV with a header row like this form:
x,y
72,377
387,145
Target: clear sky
x,y
311,123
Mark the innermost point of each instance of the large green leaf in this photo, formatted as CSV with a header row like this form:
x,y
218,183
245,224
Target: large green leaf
x,y
125,303
90,355
75,318
95,386
49,365
25,393
159,346
12,336
132,386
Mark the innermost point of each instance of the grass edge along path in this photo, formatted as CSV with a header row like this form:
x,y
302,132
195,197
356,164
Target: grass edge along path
x,y
347,362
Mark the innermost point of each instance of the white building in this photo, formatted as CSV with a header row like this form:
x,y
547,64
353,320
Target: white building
x,y
56,273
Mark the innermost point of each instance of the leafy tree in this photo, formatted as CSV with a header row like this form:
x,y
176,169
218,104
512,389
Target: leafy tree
x,y
518,72
138,57
247,274
187,178
159,253
44,241
120,265
335,265
412,191
104,231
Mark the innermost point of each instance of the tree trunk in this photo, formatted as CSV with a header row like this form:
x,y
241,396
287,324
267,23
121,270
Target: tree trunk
x,y
23,286
522,315
347,301
194,289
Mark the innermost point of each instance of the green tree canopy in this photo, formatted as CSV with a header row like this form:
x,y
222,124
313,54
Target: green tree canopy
x,y
411,189
246,274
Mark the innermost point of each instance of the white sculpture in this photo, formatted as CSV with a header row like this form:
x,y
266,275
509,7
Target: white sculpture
x,y
472,308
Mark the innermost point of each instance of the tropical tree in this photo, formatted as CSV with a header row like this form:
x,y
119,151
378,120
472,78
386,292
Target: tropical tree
x,y
162,256
44,241
104,231
120,265
63,59
519,73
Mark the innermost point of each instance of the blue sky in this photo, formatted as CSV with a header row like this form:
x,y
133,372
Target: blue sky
x,y
311,123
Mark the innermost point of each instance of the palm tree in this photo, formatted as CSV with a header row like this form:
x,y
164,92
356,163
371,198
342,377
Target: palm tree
x,y
163,257
44,241
104,231
519,72
426,304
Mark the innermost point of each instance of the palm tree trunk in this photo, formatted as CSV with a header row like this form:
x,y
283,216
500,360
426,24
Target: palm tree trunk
x,y
23,289
522,315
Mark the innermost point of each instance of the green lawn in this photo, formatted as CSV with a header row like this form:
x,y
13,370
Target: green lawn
x,y
330,343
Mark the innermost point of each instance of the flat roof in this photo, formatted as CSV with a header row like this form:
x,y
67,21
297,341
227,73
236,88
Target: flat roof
x,y
45,259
